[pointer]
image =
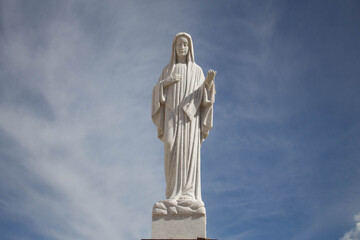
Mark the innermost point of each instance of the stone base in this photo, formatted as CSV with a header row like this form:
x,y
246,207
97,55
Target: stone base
x,y
178,226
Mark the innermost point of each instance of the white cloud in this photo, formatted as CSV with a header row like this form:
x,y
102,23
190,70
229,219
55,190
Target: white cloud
x,y
353,234
94,168
75,88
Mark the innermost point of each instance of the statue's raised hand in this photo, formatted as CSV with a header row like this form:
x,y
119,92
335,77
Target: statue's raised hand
x,y
210,78
171,80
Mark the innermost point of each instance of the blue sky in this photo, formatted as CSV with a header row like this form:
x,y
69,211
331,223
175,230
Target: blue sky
x,y
79,156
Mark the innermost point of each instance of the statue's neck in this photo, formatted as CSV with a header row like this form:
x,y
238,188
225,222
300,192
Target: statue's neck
x,y
181,59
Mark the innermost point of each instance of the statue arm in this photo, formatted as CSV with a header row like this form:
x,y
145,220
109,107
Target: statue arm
x,y
157,107
207,106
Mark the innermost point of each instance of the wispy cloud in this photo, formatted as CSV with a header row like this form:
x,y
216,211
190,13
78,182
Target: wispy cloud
x,y
85,162
353,234
79,156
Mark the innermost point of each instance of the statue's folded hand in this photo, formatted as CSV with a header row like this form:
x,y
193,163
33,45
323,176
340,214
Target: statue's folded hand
x,y
171,80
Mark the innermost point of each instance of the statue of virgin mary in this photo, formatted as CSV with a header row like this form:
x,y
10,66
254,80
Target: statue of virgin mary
x,y
182,111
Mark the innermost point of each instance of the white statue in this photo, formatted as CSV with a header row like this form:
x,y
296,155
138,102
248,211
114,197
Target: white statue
x,y
182,110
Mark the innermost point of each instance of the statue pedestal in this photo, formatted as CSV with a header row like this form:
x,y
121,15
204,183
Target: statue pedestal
x,y
178,226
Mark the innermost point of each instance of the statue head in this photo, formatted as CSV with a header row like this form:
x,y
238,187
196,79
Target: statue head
x,y
182,46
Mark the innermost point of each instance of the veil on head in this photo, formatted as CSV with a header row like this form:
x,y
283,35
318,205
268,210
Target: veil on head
x,y
190,56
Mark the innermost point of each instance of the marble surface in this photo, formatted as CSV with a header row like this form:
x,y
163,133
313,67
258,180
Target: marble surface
x,y
178,227
183,207
182,111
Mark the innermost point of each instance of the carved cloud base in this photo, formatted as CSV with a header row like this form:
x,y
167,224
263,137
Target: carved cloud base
x,y
182,207
178,226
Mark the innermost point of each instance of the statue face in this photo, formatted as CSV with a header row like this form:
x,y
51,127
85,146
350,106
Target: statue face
x,y
182,46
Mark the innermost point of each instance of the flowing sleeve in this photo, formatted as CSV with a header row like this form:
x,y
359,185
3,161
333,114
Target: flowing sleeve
x,y
207,110
157,107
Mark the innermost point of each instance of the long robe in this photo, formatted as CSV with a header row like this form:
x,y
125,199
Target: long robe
x,y
183,115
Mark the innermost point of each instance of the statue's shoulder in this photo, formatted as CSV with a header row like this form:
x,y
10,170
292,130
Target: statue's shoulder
x,y
167,69
197,68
